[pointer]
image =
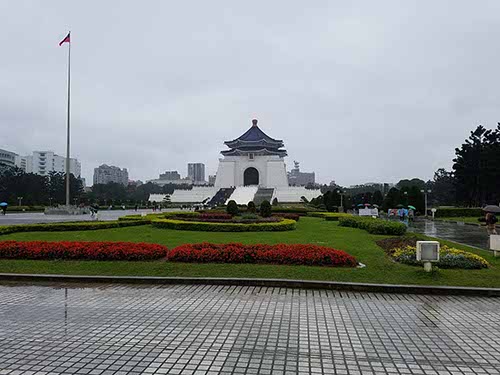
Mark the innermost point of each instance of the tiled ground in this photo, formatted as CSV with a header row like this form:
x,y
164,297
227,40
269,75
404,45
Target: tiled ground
x,y
243,330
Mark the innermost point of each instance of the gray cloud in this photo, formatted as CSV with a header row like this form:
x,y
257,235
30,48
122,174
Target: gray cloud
x,y
359,91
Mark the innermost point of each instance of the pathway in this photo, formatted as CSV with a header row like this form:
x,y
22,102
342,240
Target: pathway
x,y
473,235
243,330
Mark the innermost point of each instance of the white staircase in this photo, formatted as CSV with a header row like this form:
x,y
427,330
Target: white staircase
x,y
293,194
196,195
243,194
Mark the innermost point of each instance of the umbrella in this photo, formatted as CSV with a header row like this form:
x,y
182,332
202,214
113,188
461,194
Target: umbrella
x,y
399,206
4,204
412,207
361,205
367,204
376,205
492,208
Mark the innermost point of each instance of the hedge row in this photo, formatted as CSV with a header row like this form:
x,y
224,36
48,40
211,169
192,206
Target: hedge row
x,y
25,208
58,227
283,225
373,226
310,255
294,210
329,216
81,250
459,212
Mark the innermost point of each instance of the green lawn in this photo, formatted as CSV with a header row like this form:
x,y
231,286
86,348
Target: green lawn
x,y
380,268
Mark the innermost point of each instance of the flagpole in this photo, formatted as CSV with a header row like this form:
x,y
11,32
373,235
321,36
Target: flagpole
x,y
67,129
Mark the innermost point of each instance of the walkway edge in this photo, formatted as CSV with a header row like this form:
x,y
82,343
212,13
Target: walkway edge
x,y
274,283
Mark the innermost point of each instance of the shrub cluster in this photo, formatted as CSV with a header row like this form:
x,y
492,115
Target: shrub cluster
x,y
81,250
59,227
289,216
282,225
232,208
265,209
459,212
448,258
373,226
311,255
215,215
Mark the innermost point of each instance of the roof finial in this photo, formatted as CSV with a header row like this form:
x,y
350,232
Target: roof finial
x,y
254,122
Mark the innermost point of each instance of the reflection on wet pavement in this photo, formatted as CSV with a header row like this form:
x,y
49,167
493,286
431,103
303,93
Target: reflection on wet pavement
x,y
472,235
243,330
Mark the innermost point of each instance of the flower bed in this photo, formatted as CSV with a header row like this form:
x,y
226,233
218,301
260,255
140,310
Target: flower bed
x,y
310,255
282,225
59,227
81,250
373,226
448,258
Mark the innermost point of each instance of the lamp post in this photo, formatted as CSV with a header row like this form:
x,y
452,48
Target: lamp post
x,y
341,202
50,201
20,200
406,198
426,191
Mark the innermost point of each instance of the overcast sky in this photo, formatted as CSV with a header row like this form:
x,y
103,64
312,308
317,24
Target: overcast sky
x,y
358,90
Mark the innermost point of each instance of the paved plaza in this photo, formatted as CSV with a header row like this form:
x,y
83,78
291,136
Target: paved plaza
x,y
243,330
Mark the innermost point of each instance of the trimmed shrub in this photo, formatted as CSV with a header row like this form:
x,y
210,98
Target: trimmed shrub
x,y
232,208
295,217
81,250
71,226
251,207
265,209
214,215
283,225
448,258
275,202
459,212
310,255
373,226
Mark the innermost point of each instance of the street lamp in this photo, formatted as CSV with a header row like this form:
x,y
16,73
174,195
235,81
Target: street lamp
x,y
20,199
425,195
341,195
406,198
50,201
74,200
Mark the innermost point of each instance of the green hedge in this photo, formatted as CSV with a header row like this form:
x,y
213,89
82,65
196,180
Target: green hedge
x,y
71,226
329,216
295,210
459,212
373,226
283,225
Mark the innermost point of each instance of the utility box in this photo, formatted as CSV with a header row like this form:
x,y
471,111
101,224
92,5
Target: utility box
x,y
428,253
495,244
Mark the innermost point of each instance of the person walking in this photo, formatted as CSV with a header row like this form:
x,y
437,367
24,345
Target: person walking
x,y
491,221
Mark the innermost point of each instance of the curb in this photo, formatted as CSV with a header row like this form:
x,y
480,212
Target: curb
x,y
274,283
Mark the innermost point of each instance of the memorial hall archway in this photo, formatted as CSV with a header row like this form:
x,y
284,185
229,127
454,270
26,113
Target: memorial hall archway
x,y
251,176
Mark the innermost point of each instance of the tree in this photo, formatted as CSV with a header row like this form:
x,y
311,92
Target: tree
x,y
232,208
443,188
378,198
265,209
477,168
251,207
392,199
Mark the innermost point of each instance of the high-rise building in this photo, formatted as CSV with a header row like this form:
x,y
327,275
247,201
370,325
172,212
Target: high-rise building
x,y
44,162
170,175
196,172
109,173
8,158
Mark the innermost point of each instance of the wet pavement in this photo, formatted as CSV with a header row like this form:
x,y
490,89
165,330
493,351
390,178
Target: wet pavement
x,y
473,235
243,330
40,217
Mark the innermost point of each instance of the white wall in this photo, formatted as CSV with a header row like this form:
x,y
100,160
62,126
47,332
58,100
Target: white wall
x,y
272,171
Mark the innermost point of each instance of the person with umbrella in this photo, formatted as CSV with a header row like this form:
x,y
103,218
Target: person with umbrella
x,y
3,206
411,213
491,219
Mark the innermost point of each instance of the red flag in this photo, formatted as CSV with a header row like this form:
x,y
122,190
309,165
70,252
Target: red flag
x,y
66,40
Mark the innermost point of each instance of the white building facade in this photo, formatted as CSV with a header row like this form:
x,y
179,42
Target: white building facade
x,y
44,162
253,159
105,174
